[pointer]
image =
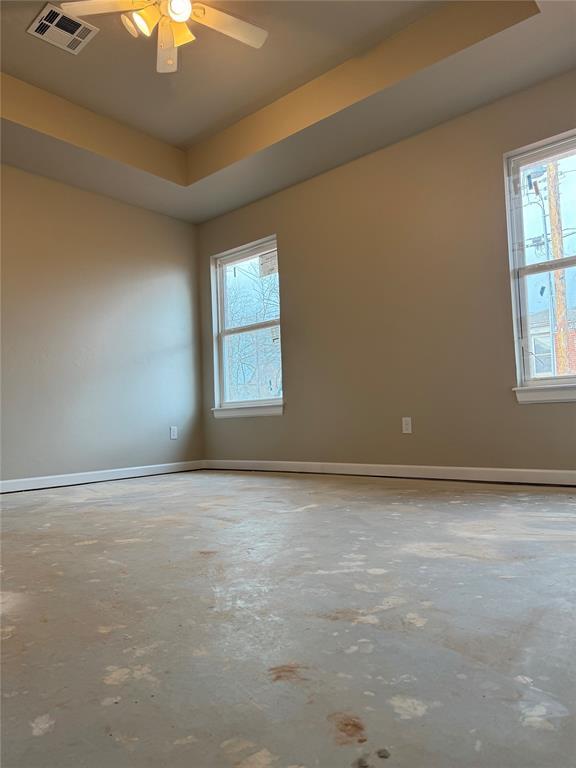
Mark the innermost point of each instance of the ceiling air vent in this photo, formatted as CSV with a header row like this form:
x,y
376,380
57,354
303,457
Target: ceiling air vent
x,y
63,31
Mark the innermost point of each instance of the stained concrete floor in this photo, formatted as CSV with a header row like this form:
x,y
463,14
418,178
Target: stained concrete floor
x,y
212,620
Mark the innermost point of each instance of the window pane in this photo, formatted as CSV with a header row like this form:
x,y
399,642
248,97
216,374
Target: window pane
x,y
252,365
251,293
548,208
551,322
542,350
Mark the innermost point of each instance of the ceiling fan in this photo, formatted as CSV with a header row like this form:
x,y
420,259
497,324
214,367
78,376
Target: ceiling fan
x,y
171,17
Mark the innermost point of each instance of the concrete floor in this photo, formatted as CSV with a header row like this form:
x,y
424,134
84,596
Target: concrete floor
x,y
212,620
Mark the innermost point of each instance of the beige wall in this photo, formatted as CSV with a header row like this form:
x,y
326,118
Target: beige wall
x,y
100,352
396,301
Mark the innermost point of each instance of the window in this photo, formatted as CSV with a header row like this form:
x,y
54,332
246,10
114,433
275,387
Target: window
x,y
541,185
246,315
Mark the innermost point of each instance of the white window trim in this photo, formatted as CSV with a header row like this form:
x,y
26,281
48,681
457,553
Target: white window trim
x,y
547,393
250,408
528,389
221,409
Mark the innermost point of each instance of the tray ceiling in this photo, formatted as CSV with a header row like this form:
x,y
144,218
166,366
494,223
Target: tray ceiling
x,y
434,62
219,80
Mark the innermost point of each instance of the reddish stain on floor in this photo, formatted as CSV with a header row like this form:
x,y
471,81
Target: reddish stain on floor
x,y
287,672
349,728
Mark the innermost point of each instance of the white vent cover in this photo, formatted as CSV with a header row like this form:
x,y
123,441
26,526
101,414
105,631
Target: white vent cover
x,y
63,31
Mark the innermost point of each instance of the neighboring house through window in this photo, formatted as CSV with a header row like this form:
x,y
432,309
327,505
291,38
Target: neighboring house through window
x,y
541,186
246,321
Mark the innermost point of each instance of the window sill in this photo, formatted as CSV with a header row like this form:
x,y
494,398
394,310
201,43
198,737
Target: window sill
x,y
548,393
249,409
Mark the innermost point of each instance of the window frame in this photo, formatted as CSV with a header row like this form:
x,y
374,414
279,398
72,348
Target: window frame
x,y
231,409
529,388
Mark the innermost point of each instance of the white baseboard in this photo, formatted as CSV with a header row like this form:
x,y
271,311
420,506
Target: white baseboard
x,y
478,474
98,476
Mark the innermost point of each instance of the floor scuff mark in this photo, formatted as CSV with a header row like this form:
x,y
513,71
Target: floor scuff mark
x,y
262,759
42,725
120,675
236,745
408,708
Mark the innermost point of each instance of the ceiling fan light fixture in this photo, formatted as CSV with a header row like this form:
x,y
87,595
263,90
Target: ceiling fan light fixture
x,y
146,19
129,25
170,18
179,10
181,33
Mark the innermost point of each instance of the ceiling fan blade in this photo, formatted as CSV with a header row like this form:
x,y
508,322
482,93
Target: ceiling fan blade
x,y
229,25
182,33
167,55
92,7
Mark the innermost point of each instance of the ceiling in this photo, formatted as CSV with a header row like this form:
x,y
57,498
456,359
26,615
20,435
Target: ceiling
x,y
427,93
219,80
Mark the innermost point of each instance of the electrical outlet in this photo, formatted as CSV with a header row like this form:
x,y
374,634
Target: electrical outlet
x,y
406,425
173,433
